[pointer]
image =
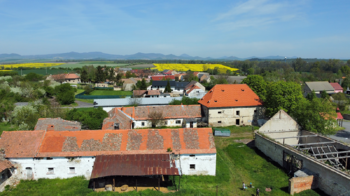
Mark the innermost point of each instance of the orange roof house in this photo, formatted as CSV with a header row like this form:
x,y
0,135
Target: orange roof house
x,y
36,144
231,104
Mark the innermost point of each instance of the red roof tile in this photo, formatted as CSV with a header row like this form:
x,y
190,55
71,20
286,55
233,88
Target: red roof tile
x,y
158,78
71,76
5,164
106,142
336,86
230,95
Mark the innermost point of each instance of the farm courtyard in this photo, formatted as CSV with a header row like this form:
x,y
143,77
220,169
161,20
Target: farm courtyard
x,y
237,162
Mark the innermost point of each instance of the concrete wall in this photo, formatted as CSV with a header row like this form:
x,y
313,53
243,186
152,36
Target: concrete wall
x,y
228,116
205,164
61,165
331,181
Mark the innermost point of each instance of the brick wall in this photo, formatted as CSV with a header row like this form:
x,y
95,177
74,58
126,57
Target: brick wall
x,y
298,184
330,180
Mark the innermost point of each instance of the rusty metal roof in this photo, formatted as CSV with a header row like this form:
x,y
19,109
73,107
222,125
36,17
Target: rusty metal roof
x,y
133,165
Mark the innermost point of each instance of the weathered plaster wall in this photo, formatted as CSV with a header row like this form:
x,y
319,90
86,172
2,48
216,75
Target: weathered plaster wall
x,y
281,121
82,165
298,184
205,164
331,181
228,116
168,123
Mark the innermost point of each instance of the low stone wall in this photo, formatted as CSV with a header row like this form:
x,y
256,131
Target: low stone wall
x,y
298,184
330,180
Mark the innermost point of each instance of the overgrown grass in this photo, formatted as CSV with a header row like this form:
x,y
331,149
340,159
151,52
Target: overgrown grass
x,y
110,92
7,127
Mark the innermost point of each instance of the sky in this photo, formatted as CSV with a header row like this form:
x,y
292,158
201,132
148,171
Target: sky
x,y
205,28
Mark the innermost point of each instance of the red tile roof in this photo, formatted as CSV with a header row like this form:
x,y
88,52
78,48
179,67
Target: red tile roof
x,y
158,78
336,86
192,88
169,111
230,95
106,142
21,143
5,164
71,76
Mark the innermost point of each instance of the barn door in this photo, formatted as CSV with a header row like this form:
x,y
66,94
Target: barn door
x,y
29,173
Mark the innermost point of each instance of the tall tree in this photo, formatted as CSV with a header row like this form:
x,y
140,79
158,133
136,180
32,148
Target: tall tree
x,y
84,76
282,95
143,85
257,84
111,76
167,88
100,75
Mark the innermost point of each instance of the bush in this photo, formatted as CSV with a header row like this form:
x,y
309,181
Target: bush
x,y
185,101
88,90
91,118
65,94
33,77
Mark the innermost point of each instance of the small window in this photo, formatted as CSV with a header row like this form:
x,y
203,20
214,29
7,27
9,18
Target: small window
x,y
192,166
219,121
192,155
219,112
50,170
72,170
166,122
49,158
178,122
143,123
237,113
237,121
254,111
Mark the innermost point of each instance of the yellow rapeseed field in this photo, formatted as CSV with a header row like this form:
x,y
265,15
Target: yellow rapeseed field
x,y
29,65
193,67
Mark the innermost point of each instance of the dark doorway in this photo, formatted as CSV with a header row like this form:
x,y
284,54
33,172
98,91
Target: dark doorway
x,y
191,124
237,121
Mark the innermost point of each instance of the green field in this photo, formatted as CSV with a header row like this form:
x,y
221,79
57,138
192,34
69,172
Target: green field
x,y
110,92
80,65
43,71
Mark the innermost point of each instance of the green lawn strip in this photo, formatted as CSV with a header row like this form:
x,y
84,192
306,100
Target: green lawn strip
x,y
239,129
85,100
110,92
7,127
79,91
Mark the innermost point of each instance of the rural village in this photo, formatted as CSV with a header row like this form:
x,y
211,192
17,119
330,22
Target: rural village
x,y
126,130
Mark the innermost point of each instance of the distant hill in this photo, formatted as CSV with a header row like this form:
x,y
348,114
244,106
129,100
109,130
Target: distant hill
x,y
145,56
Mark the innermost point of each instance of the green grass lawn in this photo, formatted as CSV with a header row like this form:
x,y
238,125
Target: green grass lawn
x,y
110,92
85,100
7,127
236,163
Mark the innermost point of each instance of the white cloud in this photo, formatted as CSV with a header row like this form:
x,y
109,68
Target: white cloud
x,y
255,13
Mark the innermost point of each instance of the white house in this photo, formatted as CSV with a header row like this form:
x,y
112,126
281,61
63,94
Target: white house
x,y
139,117
65,154
231,104
176,87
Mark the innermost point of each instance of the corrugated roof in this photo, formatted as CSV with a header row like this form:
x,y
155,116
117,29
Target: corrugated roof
x,y
336,86
320,86
230,95
19,144
133,165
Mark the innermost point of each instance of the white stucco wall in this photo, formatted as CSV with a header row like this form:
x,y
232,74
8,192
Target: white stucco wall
x,y
72,81
169,123
107,109
83,167
228,116
281,121
205,164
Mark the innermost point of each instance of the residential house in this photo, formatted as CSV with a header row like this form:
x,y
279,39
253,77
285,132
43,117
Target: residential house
x,y
139,117
129,83
179,77
65,78
146,93
176,87
337,87
194,89
162,77
318,87
169,72
65,154
203,76
101,85
231,104
57,124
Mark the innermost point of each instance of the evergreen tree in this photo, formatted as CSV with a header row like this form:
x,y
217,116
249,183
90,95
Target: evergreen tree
x,y
167,88
100,76
84,76
143,85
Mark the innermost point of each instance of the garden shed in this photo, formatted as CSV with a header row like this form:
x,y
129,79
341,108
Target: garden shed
x,y
222,132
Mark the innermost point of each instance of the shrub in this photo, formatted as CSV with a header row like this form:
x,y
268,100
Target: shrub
x,y
88,89
65,94
33,77
91,118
